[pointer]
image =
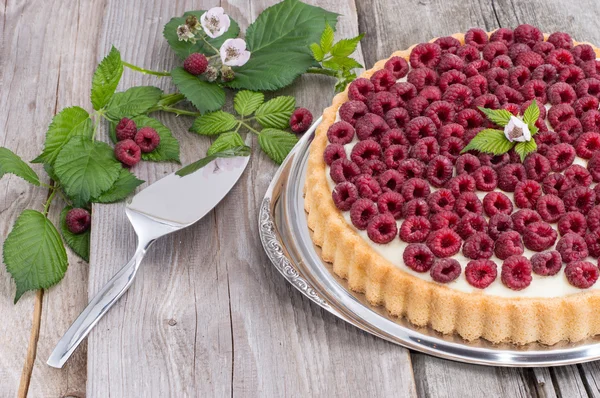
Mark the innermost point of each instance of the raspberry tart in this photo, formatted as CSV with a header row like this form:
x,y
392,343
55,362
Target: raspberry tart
x,y
448,234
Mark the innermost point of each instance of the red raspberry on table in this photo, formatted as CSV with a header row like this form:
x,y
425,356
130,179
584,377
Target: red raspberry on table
x,y
414,229
593,218
590,121
560,58
468,202
486,178
469,53
422,77
583,52
479,85
417,106
450,130
440,112
560,93
404,91
546,73
592,240
561,156
425,149
504,35
344,195
332,153
516,272
441,200
591,68
545,140
147,139
539,236
572,75
497,203
360,89
444,242
415,188
195,64
550,208
391,180
528,34
394,154
496,77
382,80
574,222
470,118
439,171
365,150
476,37
517,48
569,131
380,103
340,133
508,244
451,77
398,66
537,167
343,170
523,218
451,148
499,223
445,270
581,274
396,119
391,202
128,152
510,175
362,212
478,246
530,60
489,101
494,49
481,273
448,44
370,126
78,220
470,224
577,175
593,166
560,113
367,187
546,263
126,129
584,104
450,62
543,48
416,207
589,86
518,76
536,89
411,168
496,162
418,257
527,194
352,111
382,228
572,247
301,120
420,127
467,163
579,199
561,40
373,168
459,95
475,67
425,55
460,184
444,219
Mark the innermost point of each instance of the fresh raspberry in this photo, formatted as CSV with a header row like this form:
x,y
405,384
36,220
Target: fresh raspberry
x,y
469,118
425,149
518,76
577,175
404,91
478,85
419,127
444,219
340,133
128,152
448,44
593,219
499,223
439,171
394,154
561,40
528,34
415,188
332,153
391,202
572,222
591,68
301,120
584,104
592,240
543,48
508,244
523,218
560,58
468,202
496,77
450,130
344,195
365,150
546,73
362,212
417,106
530,60
579,199
539,236
496,162
486,178
418,257
351,111
450,62
489,101
416,207
572,247
382,228
444,242
568,131
391,180
470,224
497,203
561,156
545,140
370,126
451,77
504,35
572,75
445,270
382,80
397,118
440,112
459,95
147,139
373,168
411,168
560,113
581,274
414,229
546,263
398,66
478,246
517,48
506,94
583,53
561,93
476,67
78,220
590,121
476,37
343,170
367,187
422,77
195,64
537,167
593,166
555,184
535,89
380,103
425,55
597,190
494,49
510,175
460,184
441,200
126,129
431,93
451,148
467,163
550,208
469,53
359,89
481,273
516,272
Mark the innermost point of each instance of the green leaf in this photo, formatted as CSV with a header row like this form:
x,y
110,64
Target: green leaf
x,y
279,43
317,52
531,114
204,95
225,141
346,63
183,48
327,38
106,78
167,149
525,148
135,101
34,253
124,186
79,243
276,143
11,163
276,113
345,47
86,169
50,171
228,153
66,124
246,102
214,123
489,141
501,117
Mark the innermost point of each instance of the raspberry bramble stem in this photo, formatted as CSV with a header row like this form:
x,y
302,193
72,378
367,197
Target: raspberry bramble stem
x,y
323,71
145,71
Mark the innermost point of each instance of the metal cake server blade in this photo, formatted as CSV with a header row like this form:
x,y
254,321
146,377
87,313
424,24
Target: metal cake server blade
x,y
168,205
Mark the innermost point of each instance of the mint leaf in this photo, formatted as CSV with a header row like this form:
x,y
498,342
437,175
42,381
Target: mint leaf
x,y
228,153
204,95
501,117
86,169
34,253
525,148
279,43
317,52
276,113
66,124
531,114
246,102
345,47
79,243
225,141
327,38
11,163
123,186
214,123
183,48
167,149
135,101
106,78
489,141
276,143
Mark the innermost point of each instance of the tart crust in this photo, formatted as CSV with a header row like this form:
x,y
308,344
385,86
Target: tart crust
x,y
423,303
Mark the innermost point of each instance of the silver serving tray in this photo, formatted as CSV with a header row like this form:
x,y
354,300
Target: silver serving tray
x,y
287,241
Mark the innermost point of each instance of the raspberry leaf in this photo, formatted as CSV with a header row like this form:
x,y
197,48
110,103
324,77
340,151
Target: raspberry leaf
x,y
276,143
11,163
225,141
86,169
68,123
345,47
124,185
247,102
214,123
228,153
489,141
525,148
279,43
317,52
185,48
276,113
133,102
79,243
326,39
34,253
531,114
204,95
342,63
167,149
106,79
501,117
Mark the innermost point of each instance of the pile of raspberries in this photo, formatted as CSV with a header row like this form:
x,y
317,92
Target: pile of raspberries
x,y
411,121
132,142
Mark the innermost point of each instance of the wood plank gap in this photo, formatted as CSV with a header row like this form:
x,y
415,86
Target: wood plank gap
x,y
493,2
584,379
32,347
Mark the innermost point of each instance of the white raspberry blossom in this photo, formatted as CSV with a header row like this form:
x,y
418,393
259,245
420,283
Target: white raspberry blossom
x,y
517,130
233,52
215,22
184,33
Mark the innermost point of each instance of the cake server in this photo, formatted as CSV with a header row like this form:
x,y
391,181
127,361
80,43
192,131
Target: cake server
x,y
166,206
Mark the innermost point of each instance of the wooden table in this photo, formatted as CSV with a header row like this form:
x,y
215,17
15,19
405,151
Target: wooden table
x,y
208,315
